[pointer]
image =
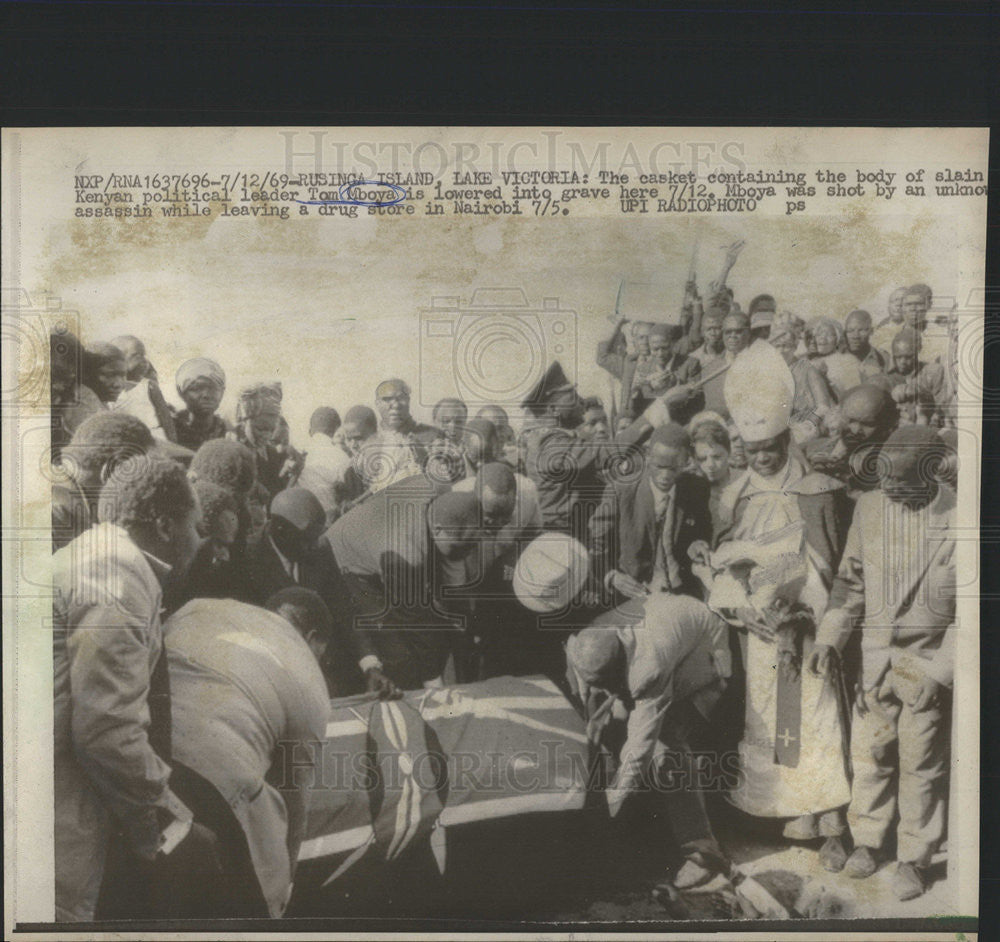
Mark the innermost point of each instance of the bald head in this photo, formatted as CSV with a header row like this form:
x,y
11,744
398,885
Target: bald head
x,y
297,522
866,402
297,506
869,413
134,350
496,488
857,332
910,465
495,414
454,518
597,655
392,398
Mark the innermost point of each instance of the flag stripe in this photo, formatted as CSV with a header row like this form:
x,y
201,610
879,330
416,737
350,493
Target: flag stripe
x,y
514,804
345,728
335,843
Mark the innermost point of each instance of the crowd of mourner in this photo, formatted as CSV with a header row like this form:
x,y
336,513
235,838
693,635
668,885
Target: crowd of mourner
x,y
747,553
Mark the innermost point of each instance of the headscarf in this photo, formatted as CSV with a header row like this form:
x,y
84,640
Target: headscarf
x,y
259,399
199,368
834,325
783,323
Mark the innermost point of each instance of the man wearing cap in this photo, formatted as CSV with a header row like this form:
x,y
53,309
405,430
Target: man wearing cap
x,y
761,310
792,754
639,536
398,449
897,582
201,383
400,551
292,552
329,470
869,415
665,660
557,459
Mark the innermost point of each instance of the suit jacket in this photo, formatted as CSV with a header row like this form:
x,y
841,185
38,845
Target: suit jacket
x,y
897,579
73,511
684,368
247,695
623,531
384,550
266,574
112,728
676,650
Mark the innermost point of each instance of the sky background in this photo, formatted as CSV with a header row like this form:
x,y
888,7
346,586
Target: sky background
x,y
332,305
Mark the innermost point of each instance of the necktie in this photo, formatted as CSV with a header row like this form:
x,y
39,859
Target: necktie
x,y
667,567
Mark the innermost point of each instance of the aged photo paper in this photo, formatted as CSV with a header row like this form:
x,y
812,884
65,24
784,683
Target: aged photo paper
x,y
412,529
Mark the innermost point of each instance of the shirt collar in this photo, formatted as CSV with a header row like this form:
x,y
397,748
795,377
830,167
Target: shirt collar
x,y
662,495
160,569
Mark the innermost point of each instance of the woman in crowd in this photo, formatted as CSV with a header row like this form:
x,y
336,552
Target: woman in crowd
x,y
259,427
201,383
840,369
103,373
812,403
446,453
712,448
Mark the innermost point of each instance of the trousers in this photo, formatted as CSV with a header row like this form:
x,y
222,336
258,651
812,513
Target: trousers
x,y
226,886
900,764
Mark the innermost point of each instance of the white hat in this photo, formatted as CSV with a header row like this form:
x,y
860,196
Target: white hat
x,y
759,391
550,572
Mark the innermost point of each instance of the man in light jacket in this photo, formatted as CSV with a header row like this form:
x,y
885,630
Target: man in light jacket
x,y
667,661
112,701
249,705
897,581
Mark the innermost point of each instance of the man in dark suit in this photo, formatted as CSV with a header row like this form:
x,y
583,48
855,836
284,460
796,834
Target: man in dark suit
x,y
404,553
292,552
640,534
666,368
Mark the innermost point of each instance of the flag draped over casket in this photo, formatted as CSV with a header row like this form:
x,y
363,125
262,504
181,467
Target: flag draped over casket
x,y
394,773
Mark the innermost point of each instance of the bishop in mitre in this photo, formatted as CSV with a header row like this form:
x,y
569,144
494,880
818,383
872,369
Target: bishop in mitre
x,y
770,576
